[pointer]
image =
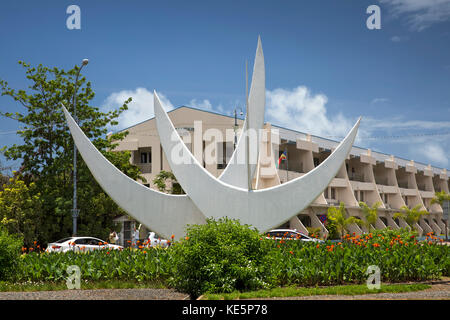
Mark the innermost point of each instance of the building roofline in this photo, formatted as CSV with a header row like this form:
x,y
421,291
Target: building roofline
x,y
280,127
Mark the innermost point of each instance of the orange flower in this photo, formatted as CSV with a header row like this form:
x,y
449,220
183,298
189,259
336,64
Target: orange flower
x,y
318,246
172,236
187,238
291,252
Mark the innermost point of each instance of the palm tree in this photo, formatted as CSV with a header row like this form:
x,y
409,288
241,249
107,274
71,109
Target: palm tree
x,y
370,213
411,216
440,197
338,217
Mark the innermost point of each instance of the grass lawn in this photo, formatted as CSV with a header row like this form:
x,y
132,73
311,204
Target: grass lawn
x,y
85,285
302,291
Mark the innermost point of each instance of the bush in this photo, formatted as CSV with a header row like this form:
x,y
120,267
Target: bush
x,y
9,254
220,256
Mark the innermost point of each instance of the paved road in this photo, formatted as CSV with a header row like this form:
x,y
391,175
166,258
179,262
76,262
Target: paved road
x,y
99,294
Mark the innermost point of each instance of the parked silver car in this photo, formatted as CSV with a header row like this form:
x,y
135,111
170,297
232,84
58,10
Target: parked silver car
x,y
80,244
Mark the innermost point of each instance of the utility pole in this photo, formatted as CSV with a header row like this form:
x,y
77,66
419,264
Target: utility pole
x,y
75,210
236,126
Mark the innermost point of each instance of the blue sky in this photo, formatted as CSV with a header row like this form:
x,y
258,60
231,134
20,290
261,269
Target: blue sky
x,y
324,67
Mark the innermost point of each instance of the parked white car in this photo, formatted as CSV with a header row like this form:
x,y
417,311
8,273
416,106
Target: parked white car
x,y
154,241
289,234
80,244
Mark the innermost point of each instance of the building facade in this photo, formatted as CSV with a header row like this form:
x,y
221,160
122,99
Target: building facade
x,y
366,176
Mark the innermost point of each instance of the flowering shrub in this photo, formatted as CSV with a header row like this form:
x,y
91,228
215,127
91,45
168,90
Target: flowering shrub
x,y
224,256
399,255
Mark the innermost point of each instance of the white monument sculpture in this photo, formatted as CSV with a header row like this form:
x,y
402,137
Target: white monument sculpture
x,y
208,196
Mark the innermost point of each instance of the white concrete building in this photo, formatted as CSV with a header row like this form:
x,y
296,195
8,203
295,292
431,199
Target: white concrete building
x,y
367,176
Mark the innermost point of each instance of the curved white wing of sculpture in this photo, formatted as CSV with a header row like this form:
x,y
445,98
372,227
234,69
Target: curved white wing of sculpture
x,y
163,213
235,172
264,209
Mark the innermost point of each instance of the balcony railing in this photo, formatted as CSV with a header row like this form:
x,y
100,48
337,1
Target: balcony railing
x,y
145,167
382,181
333,202
422,187
403,185
356,177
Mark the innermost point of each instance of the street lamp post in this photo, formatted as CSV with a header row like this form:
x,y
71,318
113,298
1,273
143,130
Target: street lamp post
x,y
236,125
75,210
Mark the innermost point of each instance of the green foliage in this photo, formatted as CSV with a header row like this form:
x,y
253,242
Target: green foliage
x,y
370,213
224,257
46,153
440,197
20,206
161,183
411,216
337,216
220,256
128,265
9,254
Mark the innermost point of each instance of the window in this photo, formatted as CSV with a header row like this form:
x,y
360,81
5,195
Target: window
x,y
225,150
63,240
316,162
93,241
144,157
81,241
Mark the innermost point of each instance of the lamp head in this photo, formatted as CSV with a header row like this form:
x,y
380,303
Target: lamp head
x,y
85,62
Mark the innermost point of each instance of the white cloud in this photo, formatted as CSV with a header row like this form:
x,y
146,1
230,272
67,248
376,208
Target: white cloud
x,y
420,14
300,110
379,100
140,109
433,152
206,105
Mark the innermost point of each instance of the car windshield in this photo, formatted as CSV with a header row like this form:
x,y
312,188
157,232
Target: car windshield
x,y
62,240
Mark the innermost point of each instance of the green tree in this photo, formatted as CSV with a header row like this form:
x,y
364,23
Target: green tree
x,y
20,209
161,183
338,217
370,214
411,216
440,197
46,153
